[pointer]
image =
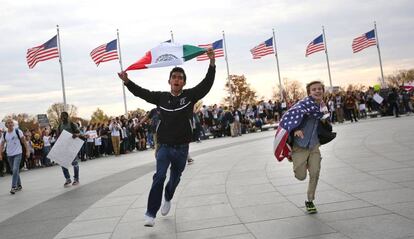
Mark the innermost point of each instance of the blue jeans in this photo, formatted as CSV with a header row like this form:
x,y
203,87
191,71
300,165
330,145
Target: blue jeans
x,y
46,160
176,155
75,171
14,162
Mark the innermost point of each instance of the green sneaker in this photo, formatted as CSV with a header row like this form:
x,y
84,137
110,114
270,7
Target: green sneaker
x,y
310,207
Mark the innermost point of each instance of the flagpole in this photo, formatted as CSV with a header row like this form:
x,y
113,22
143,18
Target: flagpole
x,y
277,63
379,53
122,69
228,72
61,69
172,36
327,59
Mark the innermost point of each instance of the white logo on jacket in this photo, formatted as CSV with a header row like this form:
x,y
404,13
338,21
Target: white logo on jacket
x,y
182,101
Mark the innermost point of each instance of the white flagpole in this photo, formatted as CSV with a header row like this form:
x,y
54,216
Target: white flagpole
x,y
228,72
61,69
277,63
379,53
327,59
122,69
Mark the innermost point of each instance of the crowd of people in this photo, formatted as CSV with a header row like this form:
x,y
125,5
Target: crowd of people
x,y
136,132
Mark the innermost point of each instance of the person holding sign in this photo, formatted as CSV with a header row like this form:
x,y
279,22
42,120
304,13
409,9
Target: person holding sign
x,y
66,124
174,131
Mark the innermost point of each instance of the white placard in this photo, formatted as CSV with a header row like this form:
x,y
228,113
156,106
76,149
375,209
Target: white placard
x,y
362,107
98,141
283,105
378,98
65,149
91,134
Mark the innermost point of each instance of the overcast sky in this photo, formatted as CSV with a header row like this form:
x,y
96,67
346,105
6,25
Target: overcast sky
x,y
85,25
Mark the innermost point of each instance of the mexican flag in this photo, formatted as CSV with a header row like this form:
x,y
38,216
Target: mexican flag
x,y
167,54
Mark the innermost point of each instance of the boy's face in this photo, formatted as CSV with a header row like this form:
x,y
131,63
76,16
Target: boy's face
x,y
316,92
177,82
9,124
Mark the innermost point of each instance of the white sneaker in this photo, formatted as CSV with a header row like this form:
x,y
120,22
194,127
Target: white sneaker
x,y
166,208
149,221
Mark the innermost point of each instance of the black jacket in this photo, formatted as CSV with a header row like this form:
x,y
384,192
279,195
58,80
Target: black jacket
x,y
176,112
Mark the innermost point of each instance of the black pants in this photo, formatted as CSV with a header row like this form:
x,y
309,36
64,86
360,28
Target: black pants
x,y
351,113
4,166
394,106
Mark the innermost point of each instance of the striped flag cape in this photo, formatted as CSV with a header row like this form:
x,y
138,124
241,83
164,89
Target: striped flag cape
x,y
263,49
290,122
44,52
315,46
105,52
217,48
366,40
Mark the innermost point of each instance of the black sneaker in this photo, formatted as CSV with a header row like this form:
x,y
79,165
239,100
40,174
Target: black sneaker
x,y
13,190
19,188
75,182
67,183
310,207
190,160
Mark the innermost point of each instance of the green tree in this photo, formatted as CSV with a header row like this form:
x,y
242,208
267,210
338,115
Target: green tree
x,y
25,121
136,113
239,92
98,117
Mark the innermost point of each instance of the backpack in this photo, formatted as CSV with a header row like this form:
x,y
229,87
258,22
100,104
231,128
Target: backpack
x,y
23,147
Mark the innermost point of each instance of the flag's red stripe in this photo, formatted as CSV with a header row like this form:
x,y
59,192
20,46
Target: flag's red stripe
x,y
314,48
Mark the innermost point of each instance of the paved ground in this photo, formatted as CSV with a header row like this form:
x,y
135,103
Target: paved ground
x,y
235,189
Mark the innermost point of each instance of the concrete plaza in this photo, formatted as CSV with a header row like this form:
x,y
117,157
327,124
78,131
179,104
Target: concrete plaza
x,y
234,189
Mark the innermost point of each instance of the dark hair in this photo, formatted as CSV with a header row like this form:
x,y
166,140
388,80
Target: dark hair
x,y
64,113
313,83
178,69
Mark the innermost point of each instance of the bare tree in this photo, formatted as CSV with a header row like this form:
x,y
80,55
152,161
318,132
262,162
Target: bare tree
x,y
356,87
54,111
239,92
399,78
292,91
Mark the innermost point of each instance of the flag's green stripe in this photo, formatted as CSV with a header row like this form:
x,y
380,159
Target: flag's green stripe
x,y
189,52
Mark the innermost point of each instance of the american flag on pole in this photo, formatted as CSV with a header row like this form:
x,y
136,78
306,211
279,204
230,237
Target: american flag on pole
x,y
291,120
315,46
217,48
105,52
43,52
366,40
263,49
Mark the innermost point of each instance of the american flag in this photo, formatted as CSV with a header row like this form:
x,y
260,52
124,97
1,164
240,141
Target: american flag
x,y
263,49
291,121
366,40
43,52
315,46
105,52
217,47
